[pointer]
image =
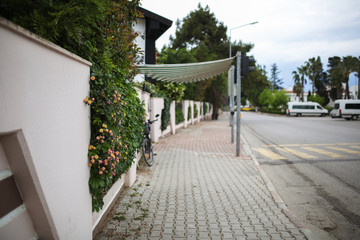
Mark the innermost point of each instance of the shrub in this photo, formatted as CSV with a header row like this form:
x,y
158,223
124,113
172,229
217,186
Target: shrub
x,y
189,113
316,98
165,114
179,116
195,111
205,108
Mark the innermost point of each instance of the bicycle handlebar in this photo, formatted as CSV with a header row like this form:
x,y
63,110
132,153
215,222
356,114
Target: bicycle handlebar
x,y
151,122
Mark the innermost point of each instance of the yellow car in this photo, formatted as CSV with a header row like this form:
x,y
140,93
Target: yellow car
x,y
246,109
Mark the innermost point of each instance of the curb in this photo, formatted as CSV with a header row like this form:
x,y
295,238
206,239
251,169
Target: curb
x,y
297,221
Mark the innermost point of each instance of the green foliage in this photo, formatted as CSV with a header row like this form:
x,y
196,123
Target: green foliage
x,y
266,98
189,113
253,85
280,100
179,116
316,98
165,114
202,36
171,56
274,77
195,111
205,108
273,100
175,91
101,32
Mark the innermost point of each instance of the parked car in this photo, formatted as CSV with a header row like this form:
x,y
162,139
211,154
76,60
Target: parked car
x,y
305,108
346,108
246,108
333,114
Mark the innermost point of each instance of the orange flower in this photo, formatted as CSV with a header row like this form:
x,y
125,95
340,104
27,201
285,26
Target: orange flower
x,y
92,78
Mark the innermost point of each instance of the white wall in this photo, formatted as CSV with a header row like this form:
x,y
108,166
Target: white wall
x,y
140,28
156,105
42,88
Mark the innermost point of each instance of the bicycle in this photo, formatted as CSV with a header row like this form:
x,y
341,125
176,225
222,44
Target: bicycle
x,y
147,150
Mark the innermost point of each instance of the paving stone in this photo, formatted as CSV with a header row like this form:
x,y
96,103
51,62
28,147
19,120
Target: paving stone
x,y
198,189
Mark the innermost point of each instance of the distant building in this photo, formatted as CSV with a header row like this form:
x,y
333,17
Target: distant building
x,y
353,90
149,28
293,98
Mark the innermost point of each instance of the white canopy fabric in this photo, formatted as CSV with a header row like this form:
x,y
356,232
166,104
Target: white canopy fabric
x,y
186,72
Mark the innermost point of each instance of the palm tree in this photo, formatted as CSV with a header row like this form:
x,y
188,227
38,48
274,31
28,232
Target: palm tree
x,y
357,70
336,76
297,87
315,69
347,66
303,71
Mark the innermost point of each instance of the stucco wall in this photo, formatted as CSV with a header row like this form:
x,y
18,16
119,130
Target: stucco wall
x,y
140,28
41,91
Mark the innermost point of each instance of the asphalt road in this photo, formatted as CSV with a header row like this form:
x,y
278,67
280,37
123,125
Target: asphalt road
x,y
314,164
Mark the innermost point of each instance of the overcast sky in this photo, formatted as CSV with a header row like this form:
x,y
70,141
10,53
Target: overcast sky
x,y
289,32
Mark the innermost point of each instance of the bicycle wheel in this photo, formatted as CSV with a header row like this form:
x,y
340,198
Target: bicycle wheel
x,y
147,152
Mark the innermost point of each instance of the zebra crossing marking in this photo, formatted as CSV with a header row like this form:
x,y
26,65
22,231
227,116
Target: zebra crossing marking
x,y
323,152
297,153
266,151
344,150
269,154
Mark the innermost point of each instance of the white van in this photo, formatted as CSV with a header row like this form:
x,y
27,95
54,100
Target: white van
x,y
305,108
345,108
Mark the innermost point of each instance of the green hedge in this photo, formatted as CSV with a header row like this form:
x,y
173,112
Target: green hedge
x,y
205,107
179,116
189,113
165,114
195,111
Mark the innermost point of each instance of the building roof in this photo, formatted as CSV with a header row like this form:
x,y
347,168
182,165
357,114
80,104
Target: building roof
x,y
156,25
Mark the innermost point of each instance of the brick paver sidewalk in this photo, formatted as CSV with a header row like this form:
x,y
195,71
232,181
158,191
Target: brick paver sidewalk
x,y
198,189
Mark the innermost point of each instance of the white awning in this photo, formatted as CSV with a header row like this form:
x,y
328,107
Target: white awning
x,y
186,72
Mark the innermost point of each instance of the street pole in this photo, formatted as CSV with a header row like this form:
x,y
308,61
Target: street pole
x,y
252,23
237,28
232,78
238,103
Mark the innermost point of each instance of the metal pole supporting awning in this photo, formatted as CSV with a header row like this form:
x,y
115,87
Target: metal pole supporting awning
x,y
186,72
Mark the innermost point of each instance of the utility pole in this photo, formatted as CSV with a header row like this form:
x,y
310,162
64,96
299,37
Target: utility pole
x,y
232,107
238,103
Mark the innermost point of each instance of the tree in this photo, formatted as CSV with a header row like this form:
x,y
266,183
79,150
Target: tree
x,y
315,70
205,37
171,56
273,100
280,100
347,65
253,85
335,76
274,77
317,98
299,82
303,72
297,89
321,87
357,70
266,98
